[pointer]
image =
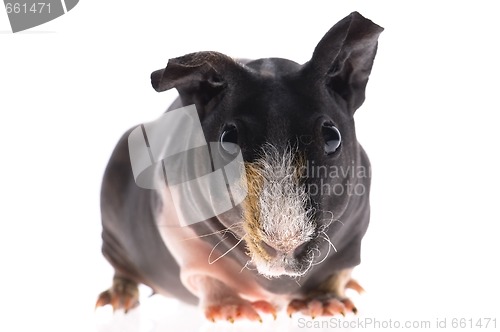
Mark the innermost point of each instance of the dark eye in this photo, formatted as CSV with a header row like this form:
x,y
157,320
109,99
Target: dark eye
x,y
332,138
229,140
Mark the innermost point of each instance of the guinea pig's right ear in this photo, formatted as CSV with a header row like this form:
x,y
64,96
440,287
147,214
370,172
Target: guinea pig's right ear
x,y
198,77
343,59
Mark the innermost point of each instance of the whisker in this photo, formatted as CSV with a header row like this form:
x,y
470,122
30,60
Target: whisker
x,y
311,260
316,249
330,220
326,256
213,249
327,238
245,266
224,254
222,231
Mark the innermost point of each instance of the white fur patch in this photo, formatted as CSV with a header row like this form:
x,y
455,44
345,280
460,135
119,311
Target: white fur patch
x,y
285,221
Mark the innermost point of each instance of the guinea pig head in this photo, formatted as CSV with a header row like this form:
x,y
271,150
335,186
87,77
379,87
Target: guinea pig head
x,y
294,126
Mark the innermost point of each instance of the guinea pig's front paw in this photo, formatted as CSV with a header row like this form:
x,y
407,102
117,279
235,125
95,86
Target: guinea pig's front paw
x,y
322,305
329,299
235,308
124,294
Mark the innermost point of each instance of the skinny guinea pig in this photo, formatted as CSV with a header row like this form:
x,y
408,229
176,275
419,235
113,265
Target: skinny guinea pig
x,y
295,237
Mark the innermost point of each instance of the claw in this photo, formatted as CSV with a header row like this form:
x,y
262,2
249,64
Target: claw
x,y
265,307
334,307
321,305
315,308
115,302
123,294
295,306
349,306
353,284
103,299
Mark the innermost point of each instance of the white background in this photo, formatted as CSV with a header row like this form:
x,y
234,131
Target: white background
x,y
430,124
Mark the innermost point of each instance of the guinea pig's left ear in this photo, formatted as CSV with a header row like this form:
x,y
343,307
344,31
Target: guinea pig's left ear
x,y
343,59
198,77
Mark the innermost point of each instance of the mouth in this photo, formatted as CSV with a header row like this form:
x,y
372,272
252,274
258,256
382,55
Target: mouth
x,y
290,255
276,263
283,266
